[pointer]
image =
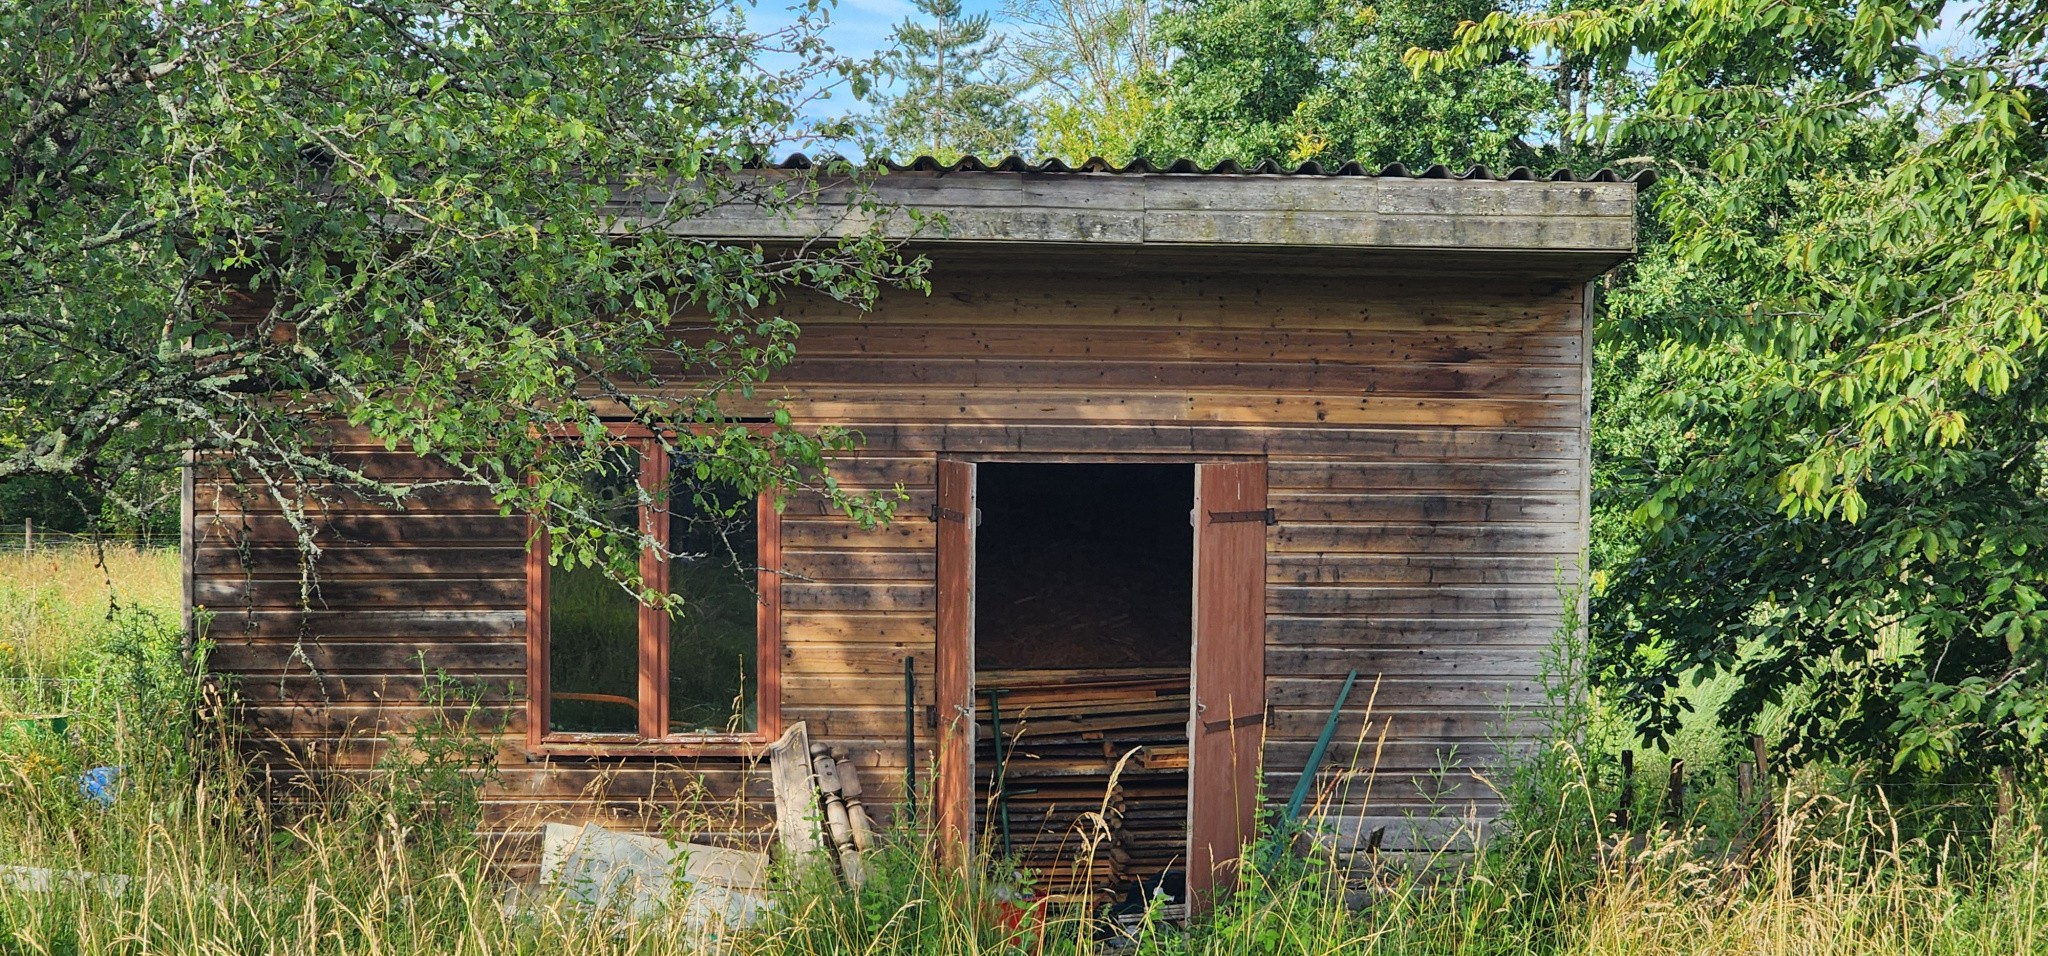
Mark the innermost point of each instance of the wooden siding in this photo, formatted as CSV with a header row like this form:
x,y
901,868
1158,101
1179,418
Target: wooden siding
x,y
1424,446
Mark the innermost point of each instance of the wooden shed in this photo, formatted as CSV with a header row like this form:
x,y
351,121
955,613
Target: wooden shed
x,y
1183,447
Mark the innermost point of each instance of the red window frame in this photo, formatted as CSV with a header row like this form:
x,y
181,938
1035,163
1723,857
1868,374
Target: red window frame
x,y
653,738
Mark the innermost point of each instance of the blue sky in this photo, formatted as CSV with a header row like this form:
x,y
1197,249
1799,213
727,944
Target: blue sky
x,y
858,29
861,27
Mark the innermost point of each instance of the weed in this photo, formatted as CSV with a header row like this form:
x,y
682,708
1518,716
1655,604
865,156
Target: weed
x,y
207,854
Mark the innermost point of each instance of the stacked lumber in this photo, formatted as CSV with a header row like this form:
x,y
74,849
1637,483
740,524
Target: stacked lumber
x,y
1084,828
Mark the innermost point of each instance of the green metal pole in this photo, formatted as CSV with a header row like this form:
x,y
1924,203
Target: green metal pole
x,y
995,719
1315,757
910,738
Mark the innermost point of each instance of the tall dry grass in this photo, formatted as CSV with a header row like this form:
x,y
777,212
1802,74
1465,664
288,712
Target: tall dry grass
x,y
57,604
389,866
1815,895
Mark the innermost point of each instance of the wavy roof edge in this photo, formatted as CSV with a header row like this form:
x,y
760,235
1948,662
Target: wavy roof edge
x,y
1228,167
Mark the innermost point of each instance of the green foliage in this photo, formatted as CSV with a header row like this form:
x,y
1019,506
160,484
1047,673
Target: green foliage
x,y
1092,68
226,225
1853,527
1297,80
910,902
126,698
1635,440
944,89
434,779
141,504
52,502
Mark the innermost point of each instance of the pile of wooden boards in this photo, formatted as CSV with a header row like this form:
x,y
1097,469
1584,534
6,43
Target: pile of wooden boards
x,y
1075,821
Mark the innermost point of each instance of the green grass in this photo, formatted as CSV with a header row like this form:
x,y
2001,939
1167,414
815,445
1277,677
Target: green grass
x,y
390,866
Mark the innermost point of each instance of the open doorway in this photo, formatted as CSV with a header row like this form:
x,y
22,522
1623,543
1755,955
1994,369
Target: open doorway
x,y
1083,627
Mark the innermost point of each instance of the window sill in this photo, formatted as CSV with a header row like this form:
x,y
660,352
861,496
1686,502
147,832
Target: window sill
x,y
744,745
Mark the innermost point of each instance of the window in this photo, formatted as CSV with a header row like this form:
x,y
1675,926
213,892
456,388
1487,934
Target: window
x,y
608,672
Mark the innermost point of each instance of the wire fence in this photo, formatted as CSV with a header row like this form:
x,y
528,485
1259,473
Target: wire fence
x,y
28,539
1925,811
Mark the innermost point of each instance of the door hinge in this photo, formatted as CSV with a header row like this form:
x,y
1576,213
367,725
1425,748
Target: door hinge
x,y
1241,720
1226,517
949,514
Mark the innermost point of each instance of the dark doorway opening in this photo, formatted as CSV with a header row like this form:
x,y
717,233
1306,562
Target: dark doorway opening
x,y
1083,635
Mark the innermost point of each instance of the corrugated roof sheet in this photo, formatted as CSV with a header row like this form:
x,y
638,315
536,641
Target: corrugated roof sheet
x,y
1228,167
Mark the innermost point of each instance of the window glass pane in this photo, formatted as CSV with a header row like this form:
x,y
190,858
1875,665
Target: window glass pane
x,y
594,627
713,649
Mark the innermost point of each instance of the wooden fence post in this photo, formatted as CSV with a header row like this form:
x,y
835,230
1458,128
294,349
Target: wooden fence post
x,y
1674,792
1763,763
1628,790
28,535
2001,826
1767,816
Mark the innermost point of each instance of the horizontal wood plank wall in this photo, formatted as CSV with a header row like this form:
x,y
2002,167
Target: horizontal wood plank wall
x,y
1424,459
1424,451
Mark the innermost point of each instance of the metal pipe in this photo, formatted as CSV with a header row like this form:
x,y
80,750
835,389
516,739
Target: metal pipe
x,y
995,719
1315,757
910,735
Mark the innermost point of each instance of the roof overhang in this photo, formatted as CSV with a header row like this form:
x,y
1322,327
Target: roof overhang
x,y
1579,227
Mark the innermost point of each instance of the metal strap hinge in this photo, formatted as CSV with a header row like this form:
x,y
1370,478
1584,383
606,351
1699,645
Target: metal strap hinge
x,y
947,514
1241,720
1226,517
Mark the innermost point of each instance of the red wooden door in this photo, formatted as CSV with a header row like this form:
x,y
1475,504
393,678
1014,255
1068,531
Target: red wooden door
x,y
1230,669
953,788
